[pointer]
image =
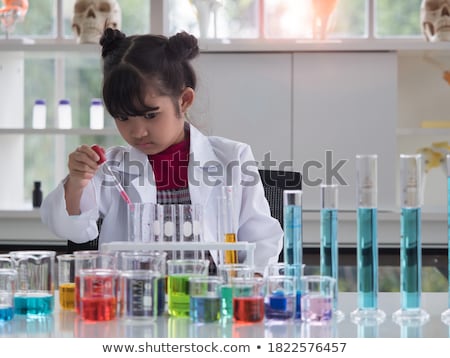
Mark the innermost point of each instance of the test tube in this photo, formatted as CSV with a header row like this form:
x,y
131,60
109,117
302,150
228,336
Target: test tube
x,y
329,254
228,225
410,242
115,182
446,314
367,241
292,222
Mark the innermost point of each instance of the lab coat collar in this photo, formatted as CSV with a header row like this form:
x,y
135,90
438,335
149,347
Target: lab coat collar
x,y
201,150
201,159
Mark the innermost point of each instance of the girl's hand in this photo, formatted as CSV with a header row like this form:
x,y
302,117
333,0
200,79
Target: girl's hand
x,y
82,167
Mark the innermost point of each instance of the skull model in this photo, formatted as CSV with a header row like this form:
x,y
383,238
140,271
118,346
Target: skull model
x,y
435,20
91,17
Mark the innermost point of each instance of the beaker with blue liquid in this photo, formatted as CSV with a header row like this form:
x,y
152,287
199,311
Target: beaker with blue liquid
x,y
35,282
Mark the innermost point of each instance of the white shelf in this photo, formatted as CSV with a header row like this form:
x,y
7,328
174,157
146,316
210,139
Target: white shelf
x,y
73,131
405,46
406,132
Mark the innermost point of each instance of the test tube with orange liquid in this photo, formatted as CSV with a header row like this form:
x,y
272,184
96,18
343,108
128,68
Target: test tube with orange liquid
x,y
227,223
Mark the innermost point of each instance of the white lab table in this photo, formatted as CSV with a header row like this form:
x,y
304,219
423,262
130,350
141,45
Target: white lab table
x,y
68,324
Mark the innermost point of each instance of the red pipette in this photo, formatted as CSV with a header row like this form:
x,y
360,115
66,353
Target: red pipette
x,y
101,153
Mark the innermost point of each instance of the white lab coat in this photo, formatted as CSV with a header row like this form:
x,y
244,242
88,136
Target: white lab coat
x,y
214,162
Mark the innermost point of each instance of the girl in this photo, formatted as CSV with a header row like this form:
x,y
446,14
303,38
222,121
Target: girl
x,y
148,87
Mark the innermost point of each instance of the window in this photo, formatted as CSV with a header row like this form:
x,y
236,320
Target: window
x,y
76,75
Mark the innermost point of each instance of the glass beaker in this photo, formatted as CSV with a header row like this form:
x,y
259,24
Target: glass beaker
x,y
35,275
280,299
8,284
90,259
204,298
98,294
227,272
151,261
248,299
179,272
292,270
139,294
317,298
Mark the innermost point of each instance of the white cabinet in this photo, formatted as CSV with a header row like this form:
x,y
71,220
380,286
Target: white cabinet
x,y
247,97
345,103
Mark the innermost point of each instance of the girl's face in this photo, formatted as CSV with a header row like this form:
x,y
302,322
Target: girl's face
x,y
158,128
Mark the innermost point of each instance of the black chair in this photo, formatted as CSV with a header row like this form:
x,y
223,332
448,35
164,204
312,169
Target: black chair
x,y
85,246
274,183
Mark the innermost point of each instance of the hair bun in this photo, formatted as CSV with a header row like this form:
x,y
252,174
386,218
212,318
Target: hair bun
x,y
110,40
182,46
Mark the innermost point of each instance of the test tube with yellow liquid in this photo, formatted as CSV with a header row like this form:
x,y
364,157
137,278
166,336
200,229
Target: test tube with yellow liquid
x,y
228,228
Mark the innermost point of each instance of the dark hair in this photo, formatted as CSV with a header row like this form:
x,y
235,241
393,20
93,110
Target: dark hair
x,y
133,63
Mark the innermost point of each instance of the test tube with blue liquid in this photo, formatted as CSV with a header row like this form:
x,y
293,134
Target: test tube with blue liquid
x,y
446,314
367,241
292,222
410,242
329,254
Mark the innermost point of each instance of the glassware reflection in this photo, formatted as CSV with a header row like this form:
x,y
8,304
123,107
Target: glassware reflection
x,y
322,330
287,330
368,331
7,329
138,329
178,327
66,323
411,331
39,326
95,329
248,330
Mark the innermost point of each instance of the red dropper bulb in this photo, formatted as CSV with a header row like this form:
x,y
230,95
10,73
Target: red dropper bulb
x,y
100,152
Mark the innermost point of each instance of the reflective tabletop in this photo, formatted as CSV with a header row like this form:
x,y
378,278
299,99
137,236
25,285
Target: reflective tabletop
x,y
67,324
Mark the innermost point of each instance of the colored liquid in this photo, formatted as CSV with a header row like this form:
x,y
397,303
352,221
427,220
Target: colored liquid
x,y
316,308
161,297
410,258
227,301
292,223
248,309
178,295
139,294
367,258
6,313
34,304
67,296
329,247
98,308
230,256
77,294
298,305
279,306
205,309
